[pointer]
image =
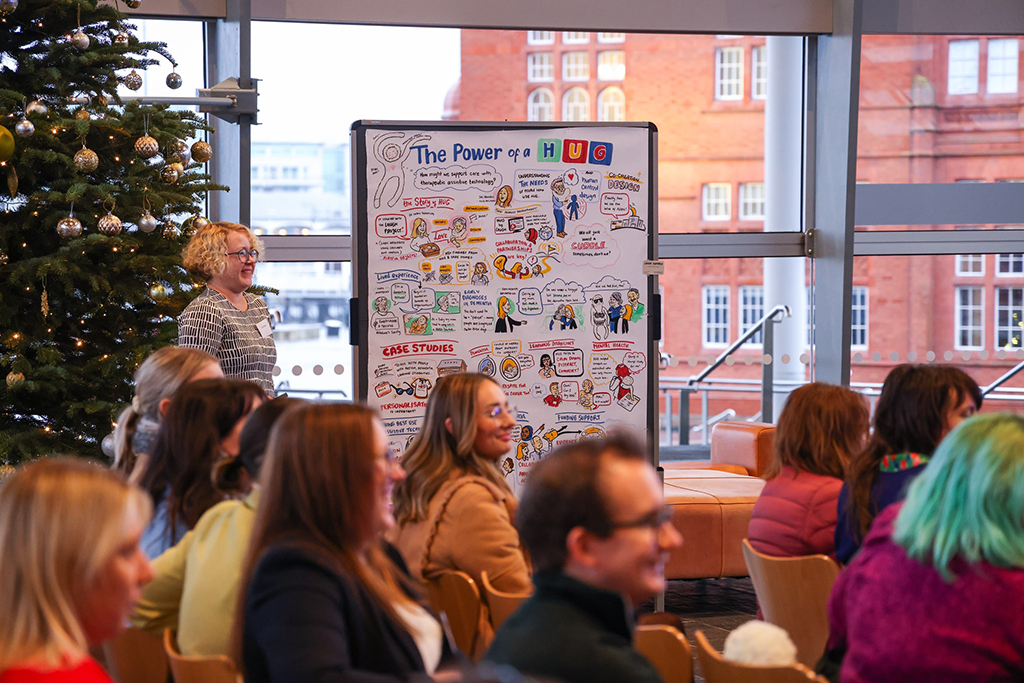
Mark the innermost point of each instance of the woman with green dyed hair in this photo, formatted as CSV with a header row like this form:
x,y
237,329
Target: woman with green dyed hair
x,y
937,592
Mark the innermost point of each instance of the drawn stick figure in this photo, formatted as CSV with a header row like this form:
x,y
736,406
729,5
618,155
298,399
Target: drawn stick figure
x,y
392,155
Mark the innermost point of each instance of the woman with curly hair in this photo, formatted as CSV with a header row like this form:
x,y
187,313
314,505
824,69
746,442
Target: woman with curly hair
x,y
226,320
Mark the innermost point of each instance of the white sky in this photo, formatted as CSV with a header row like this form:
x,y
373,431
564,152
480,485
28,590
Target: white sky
x,y
316,79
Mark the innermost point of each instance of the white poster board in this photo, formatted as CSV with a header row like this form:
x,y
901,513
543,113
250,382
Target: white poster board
x,y
517,251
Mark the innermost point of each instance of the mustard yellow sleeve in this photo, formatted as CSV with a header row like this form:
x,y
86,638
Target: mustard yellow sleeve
x,y
161,598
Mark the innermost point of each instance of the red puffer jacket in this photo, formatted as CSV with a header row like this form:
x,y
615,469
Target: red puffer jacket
x,y
795,515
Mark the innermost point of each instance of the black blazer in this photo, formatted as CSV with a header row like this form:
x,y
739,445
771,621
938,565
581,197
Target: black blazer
x,y
306,623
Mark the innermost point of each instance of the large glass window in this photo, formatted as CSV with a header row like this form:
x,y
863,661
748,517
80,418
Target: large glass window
x,y
611,37
717,201
729,73
611,65
576,105
1009,317
970,265
611,105
859,318
539,67
752,201
1009,265
751,310
541,105
1003,57
575,37
575,66
759,72
715,316
970,318
540,37
963,67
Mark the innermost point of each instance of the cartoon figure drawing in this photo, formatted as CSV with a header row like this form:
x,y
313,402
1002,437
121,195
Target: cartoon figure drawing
x,y
504,196
505,323
392,156
559,197
565,316
457,235
419,238
537,270
586,399
599,317
574,209
634,309
614,311
447,302
507,466
516,271
480,277
622,383
382,318
531,235
547,366
555,397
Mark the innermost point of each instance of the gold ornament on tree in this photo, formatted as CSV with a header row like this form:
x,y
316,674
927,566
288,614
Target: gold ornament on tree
x,y
146,147
133,4
110,224
86,160
158,292
80,40
202,151
171,231
14,379
133,81
82,114
177,150
44,300
121,38
169,174
69,227
6,144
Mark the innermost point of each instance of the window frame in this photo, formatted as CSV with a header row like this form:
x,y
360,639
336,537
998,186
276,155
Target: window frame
x,y
579,70
1011,328
963,262
534,38
759,72
619,66
603,105
568,106
969,81
575,37
748,312
746,202
706,201
724,87
534,69
532,105
723,305
860,292
990,63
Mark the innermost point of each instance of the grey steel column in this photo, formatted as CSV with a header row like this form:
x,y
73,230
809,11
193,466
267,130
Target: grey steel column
x,y
783,180
834,112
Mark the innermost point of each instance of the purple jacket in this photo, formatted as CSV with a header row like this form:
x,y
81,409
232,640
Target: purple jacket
x,y
795,515
899,620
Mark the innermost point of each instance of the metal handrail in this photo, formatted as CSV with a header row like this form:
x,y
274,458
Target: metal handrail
x,y
1006,376
712,421
755,328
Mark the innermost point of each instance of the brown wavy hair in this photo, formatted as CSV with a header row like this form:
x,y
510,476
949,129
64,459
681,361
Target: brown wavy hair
x,y
204,255
821,427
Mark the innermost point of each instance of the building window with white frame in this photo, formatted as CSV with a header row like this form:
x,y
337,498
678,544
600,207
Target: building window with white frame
x,y
716,201
1003,58
611,37
751,310
729,73
963,67
970,265
1009,265
611,65
1009,317
759,72
576,105
539,67
752,201
540,37
576,66
970,318
715,315
859,318
611,104
575,37
540,105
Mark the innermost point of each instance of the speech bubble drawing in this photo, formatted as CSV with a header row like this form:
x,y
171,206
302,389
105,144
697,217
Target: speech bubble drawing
x,y
568,362
635,361
532,184
570,391
529,301
423,297
602,368
602,398
483,177
608,283
590,245
400,292
509,347
525,361
614,204
537,391
558,291
463,271
392,225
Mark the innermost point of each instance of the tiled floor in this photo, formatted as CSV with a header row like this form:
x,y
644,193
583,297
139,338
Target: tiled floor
x,y
714,606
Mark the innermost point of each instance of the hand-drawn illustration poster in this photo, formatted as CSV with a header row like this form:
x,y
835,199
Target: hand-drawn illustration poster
x,y
516,252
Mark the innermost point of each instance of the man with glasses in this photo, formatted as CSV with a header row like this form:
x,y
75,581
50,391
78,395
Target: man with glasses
x,y
594,522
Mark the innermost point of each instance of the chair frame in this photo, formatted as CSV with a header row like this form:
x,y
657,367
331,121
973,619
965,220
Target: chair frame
x,y
667,649
500,604
215,669
717,669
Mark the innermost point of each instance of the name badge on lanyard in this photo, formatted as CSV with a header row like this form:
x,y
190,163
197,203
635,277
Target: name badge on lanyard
x,y
263,327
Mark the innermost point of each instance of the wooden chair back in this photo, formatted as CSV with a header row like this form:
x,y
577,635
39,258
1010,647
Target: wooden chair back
x,y
500,603
667,650
134,656
455,594
793,594
716,669
217,669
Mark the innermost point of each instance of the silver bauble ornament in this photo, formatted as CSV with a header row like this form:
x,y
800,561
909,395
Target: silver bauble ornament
x,y
147,223
121,38
107,445
8,6
133,81
14,379
158,292
133,4
80,40
69,227
171,230
202,152
176,151
36,107
169,174
110,224
24,128
173,80
199,222
86,160
146,147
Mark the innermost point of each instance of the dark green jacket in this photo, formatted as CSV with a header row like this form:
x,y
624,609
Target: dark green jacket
x,y
574,633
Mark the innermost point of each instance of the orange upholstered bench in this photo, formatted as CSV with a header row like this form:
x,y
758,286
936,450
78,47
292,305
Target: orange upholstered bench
x,y
712,502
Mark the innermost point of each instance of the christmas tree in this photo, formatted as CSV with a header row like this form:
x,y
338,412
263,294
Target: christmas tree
x,y
100,198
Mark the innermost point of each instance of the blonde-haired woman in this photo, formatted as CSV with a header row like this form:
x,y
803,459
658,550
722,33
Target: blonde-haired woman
x,y
323,598
226,320
455,510
70,567
156,381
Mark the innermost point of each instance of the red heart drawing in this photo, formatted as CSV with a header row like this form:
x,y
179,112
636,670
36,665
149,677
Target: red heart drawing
x,y
571,176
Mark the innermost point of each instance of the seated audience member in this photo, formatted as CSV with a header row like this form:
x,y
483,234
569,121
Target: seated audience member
x,y
194,590
156,380
937,593
70,568
201,427
819,429
323,599
594,520
918,406
455,510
